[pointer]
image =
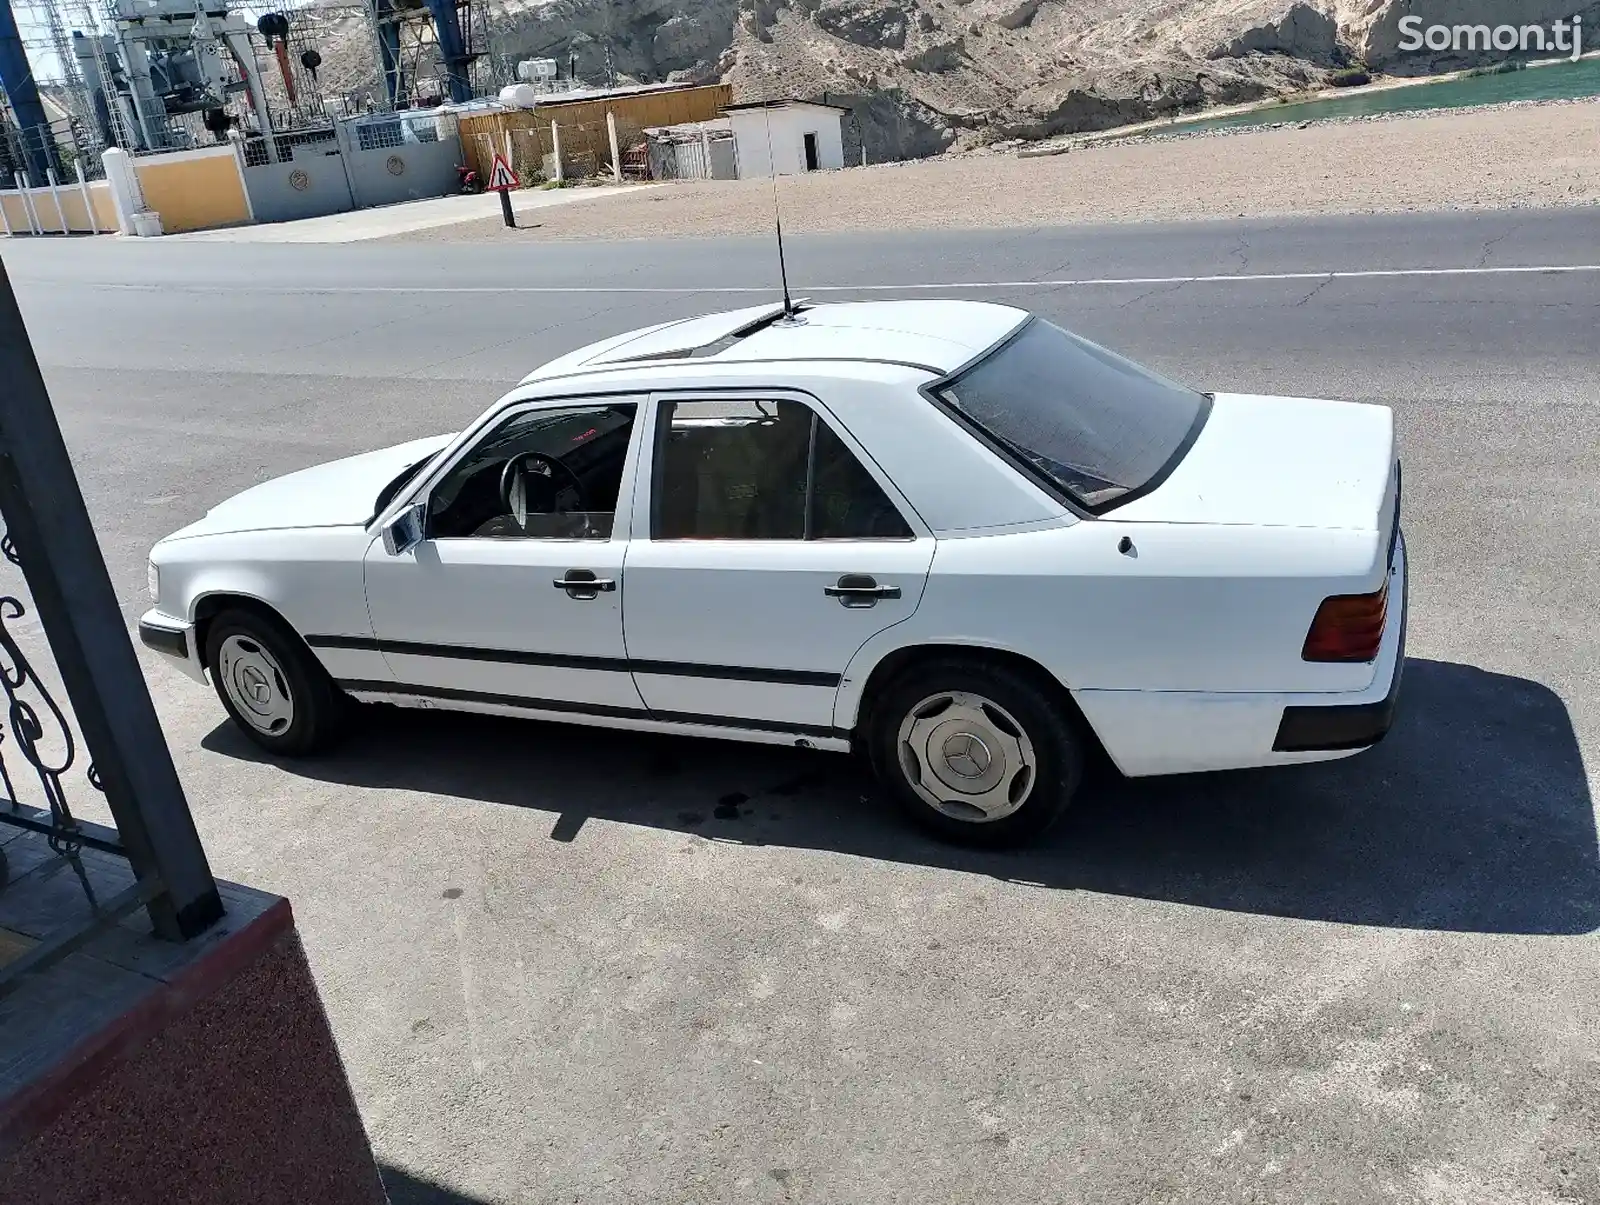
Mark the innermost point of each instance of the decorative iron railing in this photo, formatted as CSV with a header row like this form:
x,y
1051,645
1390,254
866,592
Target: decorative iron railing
x,y
37,729
46,533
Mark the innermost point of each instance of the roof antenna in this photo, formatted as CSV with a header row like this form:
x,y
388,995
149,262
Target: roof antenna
x,y
777,217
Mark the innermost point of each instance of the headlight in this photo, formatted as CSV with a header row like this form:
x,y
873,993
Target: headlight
x,y
153,573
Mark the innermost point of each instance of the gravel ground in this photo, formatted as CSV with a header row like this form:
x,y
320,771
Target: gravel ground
x,y
1503,157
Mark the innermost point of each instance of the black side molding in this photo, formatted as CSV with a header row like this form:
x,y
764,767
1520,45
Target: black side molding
x,y
621,665
164,640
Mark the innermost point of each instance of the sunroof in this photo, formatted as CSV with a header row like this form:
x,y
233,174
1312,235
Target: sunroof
x,y
695,338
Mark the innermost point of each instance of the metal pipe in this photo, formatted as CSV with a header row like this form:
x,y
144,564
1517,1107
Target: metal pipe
x,y
452,49
49,529
16,77
55,195
239,46
34,226
88,201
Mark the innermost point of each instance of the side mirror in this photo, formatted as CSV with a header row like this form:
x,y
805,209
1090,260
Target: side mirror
x,y
404,531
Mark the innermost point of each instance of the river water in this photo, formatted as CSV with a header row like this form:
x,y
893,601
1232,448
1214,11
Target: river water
x,y
1558,81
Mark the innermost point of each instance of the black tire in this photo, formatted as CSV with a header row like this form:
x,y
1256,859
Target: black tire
x,y
317,707
1016,701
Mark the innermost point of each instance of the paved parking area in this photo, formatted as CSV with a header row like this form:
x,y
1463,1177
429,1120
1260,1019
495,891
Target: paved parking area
x,y
570,965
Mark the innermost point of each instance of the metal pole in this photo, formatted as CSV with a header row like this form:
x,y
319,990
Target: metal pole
x,y
555,147
245,56
55,195
88,201
54,540
616,155
138,64
34,225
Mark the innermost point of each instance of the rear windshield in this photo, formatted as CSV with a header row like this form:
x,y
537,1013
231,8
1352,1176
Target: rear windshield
x,y
1082,420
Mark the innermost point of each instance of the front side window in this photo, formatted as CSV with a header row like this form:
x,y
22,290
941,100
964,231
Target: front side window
x,y
1083,420
551,474
763,470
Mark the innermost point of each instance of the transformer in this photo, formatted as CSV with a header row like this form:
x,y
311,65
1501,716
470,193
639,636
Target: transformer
x,y
165,58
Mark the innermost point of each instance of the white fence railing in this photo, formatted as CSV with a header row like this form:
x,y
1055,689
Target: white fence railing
x,y
57,208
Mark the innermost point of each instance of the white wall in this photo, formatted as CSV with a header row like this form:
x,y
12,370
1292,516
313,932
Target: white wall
x,y
790,125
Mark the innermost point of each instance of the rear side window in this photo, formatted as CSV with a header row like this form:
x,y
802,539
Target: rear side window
x,y
1085,422
737,469
846,503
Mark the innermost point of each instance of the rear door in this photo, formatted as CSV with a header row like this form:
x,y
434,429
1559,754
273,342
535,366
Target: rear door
x,y
767,549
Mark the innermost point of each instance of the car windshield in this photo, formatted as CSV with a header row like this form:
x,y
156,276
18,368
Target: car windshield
x,y
1085,421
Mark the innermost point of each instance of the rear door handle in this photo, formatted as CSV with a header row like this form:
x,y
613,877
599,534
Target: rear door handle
x,y
859,590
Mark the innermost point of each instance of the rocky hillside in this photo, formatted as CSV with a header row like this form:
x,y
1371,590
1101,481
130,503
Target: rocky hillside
x,y
927,75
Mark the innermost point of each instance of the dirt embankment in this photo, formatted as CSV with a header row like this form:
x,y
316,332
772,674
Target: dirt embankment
x,y
1508,157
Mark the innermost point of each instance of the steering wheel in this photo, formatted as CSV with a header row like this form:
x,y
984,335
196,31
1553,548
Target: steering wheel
x,y
517,483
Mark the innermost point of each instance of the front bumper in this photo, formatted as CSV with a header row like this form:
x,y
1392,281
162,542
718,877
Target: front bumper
x,y
174,639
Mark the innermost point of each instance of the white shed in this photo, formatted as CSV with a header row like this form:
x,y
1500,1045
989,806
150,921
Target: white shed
x,y
805,136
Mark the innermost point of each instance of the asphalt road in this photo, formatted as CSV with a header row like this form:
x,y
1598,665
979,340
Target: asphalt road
x,y
566,965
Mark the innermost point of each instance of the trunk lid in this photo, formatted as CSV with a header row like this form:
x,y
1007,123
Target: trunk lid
x,y
1281,462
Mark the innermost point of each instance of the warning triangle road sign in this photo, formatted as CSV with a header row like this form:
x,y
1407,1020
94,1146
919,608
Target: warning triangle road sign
x,y
501,176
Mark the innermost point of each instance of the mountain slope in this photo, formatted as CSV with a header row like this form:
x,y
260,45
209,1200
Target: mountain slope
x,y
926,75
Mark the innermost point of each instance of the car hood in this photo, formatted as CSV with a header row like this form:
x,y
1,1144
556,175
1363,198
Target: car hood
x,y
1280,462
338,494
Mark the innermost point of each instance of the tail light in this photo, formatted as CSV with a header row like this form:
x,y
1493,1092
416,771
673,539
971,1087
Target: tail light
x,y
1348,627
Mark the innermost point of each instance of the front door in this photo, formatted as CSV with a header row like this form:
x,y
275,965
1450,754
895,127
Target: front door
x,y
773,554
514,596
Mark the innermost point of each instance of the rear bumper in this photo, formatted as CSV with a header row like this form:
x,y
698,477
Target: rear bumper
x,y
1181,732
174,640
1349,726
1307,729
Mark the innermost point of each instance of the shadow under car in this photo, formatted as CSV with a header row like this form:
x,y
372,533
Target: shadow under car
x,y
1473,815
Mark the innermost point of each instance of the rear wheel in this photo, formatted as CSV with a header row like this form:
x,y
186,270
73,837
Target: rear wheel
x,y
271,685
976,751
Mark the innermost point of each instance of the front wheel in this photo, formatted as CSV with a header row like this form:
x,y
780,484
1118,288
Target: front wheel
x,y
977,752
271,685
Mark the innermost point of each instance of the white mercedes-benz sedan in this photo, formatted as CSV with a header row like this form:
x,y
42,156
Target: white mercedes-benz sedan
x,y
952,536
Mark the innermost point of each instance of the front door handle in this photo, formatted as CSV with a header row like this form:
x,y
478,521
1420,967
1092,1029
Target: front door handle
x,y
860,590
583,584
